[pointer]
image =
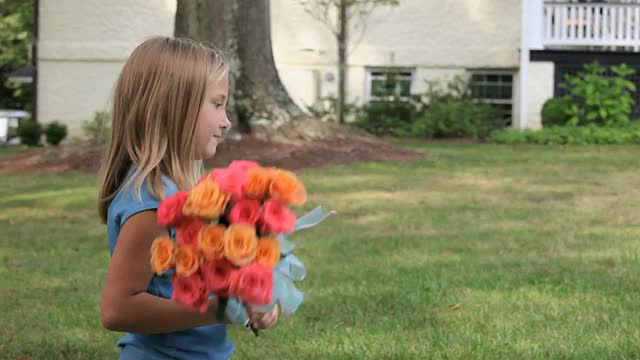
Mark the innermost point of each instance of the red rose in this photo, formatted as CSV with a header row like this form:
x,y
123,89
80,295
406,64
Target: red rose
x,y
246,212
217,276
243,165
170,209
253,284
230,181
190,291
276,218
187,233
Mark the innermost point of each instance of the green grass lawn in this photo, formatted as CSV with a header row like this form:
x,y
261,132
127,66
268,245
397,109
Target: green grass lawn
x,y
478,251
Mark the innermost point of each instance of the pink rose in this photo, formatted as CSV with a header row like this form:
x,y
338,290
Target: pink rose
x,y
187,233
190,291
276,218
217,276
170,209
253,284
245,211
230,181
243,165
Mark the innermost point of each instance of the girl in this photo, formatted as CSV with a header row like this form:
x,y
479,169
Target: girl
x,y
168,114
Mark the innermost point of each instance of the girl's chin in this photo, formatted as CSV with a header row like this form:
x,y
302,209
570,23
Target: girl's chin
x,y
209,152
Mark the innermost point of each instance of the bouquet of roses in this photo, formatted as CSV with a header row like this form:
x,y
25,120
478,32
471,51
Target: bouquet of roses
x,y
231,240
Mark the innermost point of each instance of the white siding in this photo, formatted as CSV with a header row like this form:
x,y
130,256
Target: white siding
x,y
541,76
83,44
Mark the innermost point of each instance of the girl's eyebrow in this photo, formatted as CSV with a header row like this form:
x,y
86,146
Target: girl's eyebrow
x,y
220,97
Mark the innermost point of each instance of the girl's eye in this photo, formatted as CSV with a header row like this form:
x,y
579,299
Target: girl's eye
x,y
219,106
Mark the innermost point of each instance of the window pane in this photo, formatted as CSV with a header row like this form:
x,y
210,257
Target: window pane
x,y
404,88
493,92
475,90
507,92
378,88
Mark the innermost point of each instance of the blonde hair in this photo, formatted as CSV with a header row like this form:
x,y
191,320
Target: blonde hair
x,y
156,102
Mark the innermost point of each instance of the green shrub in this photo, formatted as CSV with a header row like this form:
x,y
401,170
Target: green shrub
x,y
55,132
555,112
326,109
99,128
572,135
600,99
29,132
451,117
392,117
509,136
441,112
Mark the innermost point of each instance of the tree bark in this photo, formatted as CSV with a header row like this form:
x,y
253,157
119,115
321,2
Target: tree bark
x,y
258,101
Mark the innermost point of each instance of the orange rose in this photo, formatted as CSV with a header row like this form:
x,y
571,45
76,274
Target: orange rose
x,y
206,200
210,241
240,244
162,254
268,253
286,188
258,182
187,260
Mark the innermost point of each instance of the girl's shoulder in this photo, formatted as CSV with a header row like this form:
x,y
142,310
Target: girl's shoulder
x,y
129,200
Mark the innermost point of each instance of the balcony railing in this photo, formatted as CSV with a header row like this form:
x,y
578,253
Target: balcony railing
x,y
569,23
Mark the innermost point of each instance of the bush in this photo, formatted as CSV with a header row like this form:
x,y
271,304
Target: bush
x,y
451,117
392,117
55,132
555,112
99,128
438,113
326,109
600,99
572,135
29,132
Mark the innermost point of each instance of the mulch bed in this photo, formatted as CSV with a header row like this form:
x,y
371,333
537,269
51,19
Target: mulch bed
x,y
86,156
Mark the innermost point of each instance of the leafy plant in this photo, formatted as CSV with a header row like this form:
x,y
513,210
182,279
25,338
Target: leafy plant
x,y
572,135
29,132
99,128
55,132
600,99
555,111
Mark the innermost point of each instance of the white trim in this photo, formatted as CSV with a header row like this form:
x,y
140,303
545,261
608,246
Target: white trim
x,y
588,24
525,38
367,85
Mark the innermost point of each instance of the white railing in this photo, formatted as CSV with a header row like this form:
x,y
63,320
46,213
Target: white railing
x,y
591,24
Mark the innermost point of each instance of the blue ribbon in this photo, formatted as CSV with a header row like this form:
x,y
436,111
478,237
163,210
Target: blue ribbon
x,y
286,271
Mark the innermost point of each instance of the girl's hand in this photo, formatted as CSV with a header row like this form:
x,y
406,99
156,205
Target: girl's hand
x,y
265,320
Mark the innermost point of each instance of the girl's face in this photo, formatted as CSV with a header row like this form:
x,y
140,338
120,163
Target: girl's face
x,y
212,120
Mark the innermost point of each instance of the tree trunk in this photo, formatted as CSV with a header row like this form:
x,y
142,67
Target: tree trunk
x,y
342,60
258,102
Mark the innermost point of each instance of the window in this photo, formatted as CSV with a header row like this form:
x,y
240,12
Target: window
x,y
389,83
495,88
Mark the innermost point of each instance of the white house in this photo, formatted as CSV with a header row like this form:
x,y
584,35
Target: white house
x,y
515,51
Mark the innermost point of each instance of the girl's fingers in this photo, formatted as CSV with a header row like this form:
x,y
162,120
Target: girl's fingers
x,y
263,320
268,319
